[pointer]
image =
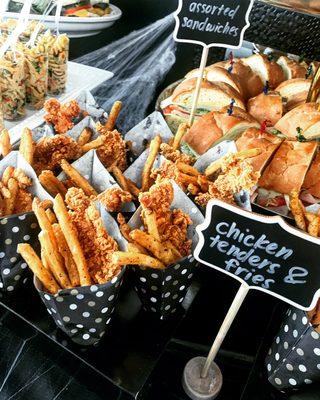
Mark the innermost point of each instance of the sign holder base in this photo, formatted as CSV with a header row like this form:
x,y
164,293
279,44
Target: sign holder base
x,y
197,387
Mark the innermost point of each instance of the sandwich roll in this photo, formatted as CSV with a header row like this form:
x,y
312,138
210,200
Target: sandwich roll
x,y
216,126
266,107
288,167
292,69
251,82
295,91
306,117
312,181
253,138
269,71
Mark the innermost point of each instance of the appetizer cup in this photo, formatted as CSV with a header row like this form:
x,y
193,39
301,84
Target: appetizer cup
x,y
15,229
162,291
293,359
83,313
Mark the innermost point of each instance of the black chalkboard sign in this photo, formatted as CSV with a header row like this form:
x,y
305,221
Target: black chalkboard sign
x,y
263,252
219,23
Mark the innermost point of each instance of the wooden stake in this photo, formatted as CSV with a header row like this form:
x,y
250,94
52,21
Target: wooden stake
x,y
203,64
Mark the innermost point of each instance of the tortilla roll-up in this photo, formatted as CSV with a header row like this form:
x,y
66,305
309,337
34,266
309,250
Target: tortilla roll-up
x,y
56,264
52,184
26,148
78,179
71,236
85,136
13,187
182,130
153,152
142,260
113,116
5,145
67,256
36,266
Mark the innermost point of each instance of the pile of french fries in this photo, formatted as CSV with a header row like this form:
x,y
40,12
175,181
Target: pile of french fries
x,y
62,264
307,221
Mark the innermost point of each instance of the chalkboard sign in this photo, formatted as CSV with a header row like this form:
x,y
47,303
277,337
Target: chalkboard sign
x,y
219,23
263,252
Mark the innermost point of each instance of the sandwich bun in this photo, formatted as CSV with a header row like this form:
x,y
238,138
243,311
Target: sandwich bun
x,y
295,91
266,107
312,181
292,69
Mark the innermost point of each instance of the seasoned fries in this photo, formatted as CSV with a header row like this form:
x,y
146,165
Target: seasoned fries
x,y
182,130
85,136
153,152
120,178
113,116
52,184
298,211
26,148
78,179
37,268
123,258
94,144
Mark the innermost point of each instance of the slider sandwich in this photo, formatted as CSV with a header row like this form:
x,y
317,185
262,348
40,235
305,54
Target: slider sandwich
x,y
214,127
212,97
294,91
292,69
266,107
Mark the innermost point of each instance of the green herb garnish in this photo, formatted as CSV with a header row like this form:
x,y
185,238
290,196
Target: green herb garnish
x,y
300,136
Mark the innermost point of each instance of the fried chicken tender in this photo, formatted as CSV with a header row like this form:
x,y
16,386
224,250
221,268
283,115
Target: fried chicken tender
x,y
175,155
23,202
49,152
114,198
168,170
97,245
236,175
114,151
61,116
172,224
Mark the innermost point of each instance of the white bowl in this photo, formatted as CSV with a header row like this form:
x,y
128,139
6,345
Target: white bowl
x,y
76,26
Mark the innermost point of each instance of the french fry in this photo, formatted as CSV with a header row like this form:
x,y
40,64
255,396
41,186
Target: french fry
x,y
120,178
85,136
157,248
45,204
182,130
72,240
78,179
187,169
52,184
175,251
153,151
26,148
7,174
133,188
13,187
187,179
313,224
94,144
298,210
5,145
193,189
241,155
123,258
56,265
136,248
113,116
67,256
44,259
35,264
203,183
51,216
151,222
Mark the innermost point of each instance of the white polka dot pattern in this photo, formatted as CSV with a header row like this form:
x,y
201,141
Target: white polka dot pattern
x,y
163,291
84,313
14,230
294,358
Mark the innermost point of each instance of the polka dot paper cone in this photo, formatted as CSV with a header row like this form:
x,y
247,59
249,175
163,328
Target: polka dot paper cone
x,y
163,291
294,357
14,230
83,313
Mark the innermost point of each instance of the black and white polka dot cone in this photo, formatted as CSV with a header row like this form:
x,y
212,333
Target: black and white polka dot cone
x,y
15,229
83,313
294,357
162,291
